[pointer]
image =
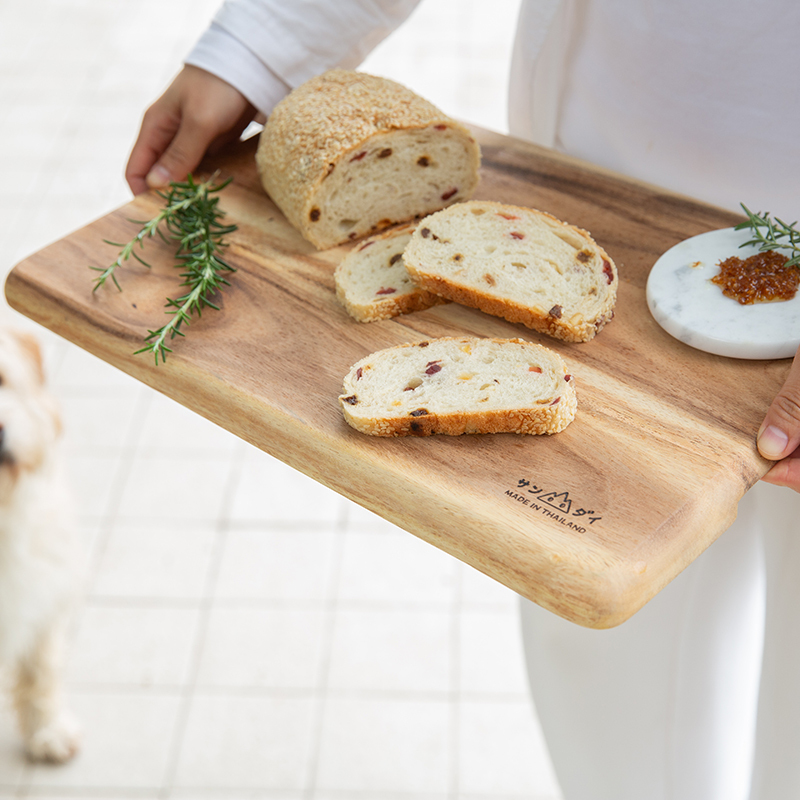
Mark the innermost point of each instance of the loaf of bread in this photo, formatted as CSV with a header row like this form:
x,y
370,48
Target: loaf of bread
x,y
347,154
372,282
517,263
459,385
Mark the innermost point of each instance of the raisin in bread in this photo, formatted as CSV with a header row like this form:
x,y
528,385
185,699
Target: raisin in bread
x,y
517,263
347,154
459,385
372,282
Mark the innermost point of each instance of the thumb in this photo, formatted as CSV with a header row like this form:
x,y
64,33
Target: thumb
x,y
181,157
779,434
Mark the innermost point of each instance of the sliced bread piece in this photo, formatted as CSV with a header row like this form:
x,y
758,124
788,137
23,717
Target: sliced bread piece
x,y
347,154
517,263
459,385
372,282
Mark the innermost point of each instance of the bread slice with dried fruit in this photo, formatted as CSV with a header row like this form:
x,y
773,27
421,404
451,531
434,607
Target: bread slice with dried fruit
x,y
372,282
347,154
517,263
459,385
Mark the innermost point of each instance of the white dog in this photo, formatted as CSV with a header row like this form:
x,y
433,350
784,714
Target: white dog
x,y
39,557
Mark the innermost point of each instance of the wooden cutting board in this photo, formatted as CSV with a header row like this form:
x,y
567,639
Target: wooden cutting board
x,y
590,523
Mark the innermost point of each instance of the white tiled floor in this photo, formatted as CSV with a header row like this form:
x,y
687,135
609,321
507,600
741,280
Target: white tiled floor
x,y
246,633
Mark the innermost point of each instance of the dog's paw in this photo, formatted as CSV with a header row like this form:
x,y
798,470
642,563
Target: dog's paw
x,y
57,742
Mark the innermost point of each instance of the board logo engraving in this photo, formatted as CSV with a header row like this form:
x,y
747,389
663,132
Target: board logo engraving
x,y
556,505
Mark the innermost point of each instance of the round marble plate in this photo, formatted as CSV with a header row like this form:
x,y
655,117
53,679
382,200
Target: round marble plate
x,y
688,306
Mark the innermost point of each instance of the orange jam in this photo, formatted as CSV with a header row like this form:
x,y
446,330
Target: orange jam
x,y
761,278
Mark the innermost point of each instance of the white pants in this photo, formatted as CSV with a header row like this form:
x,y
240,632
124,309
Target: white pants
x,y
697,692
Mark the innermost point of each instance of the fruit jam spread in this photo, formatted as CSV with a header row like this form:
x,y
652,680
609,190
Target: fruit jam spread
x,y
761,278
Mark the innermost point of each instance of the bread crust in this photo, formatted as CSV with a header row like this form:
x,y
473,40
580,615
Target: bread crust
x,y
303,141
531,422
388,309
577,329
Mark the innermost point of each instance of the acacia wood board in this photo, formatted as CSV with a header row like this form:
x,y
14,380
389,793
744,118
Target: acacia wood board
x,y
590,523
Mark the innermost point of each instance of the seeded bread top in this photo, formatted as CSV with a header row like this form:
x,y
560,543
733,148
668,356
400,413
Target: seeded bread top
x,y
327,117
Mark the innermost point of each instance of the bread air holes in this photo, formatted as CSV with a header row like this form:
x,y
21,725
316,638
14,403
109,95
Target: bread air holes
x,y
347,224
414,383
519,265
478,211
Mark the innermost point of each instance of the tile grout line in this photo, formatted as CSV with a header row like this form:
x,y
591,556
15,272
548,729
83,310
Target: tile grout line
x,y
456,694
322,692
126,458
256,691
187,692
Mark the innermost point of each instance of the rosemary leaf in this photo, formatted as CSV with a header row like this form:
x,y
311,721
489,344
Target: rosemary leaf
x,y
770,233
192,222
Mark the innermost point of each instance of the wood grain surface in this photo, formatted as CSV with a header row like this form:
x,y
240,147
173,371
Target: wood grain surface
x,y
589,523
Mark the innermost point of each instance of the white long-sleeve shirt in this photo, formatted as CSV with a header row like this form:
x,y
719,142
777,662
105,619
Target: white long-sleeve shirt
x,y
698,97
265,48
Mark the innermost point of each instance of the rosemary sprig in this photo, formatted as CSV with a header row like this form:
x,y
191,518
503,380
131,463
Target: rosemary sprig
x,y
191,219
772,234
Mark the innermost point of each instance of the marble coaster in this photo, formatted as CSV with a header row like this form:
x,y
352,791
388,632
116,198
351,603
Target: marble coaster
x,y
688,306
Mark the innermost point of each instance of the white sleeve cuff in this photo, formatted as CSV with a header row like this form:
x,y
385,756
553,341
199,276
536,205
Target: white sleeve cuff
x,y
223,55
303,38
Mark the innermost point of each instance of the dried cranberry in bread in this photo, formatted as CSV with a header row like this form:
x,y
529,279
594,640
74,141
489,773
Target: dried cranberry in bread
x,y
517,263
347,154
459,385
372,282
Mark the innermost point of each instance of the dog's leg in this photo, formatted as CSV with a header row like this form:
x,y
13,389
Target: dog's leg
x,y
50,732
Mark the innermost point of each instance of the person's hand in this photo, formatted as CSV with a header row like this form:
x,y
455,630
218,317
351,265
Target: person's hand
x,y
779,435
197,113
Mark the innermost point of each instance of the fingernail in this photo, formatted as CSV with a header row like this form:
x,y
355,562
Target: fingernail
x,y
772,442
157,177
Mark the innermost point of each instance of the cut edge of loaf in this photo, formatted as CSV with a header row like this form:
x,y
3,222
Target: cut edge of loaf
x,y
294,161
533,420
577,328
405,302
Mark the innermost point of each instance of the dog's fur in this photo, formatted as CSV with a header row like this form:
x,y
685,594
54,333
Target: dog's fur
x,y
38,550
